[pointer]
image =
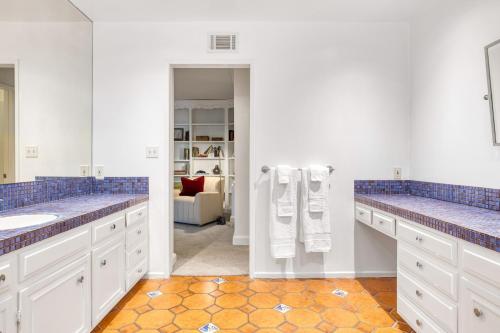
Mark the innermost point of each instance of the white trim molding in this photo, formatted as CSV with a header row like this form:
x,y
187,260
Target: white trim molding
x,y
241,240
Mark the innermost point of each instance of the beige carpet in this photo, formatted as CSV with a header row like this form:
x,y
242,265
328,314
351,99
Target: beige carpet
x,y
208,250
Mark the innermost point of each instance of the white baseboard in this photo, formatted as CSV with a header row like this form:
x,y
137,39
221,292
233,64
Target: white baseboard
x,y
316,275
240,240
156,276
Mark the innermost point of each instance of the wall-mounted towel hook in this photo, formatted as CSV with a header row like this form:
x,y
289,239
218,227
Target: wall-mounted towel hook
x,y
266,169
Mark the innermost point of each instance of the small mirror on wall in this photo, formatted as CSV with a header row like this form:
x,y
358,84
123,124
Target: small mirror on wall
x,y
492,52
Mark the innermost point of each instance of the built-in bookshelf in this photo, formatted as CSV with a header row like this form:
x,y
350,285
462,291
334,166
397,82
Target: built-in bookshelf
x,y
204,124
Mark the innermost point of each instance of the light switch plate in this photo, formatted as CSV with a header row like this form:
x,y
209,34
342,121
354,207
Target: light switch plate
x,y
398,173
31,151
84,171
99,172
152,152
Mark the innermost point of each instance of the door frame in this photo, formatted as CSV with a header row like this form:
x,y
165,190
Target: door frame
x,y
169,153
4,62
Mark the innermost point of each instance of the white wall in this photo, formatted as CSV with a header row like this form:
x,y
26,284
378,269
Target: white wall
x,y
55,93
321,93
450,122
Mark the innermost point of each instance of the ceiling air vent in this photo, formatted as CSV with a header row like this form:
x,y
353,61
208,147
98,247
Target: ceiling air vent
x,y
224,42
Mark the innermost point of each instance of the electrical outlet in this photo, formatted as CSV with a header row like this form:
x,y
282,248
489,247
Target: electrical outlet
x,y
84,170
31,151
152,152
397,173
99,172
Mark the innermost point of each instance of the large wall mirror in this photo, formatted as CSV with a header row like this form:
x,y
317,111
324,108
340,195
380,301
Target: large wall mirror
x,y
45,90
493,71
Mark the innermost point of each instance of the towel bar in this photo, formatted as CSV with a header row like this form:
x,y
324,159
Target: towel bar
x,y
265,169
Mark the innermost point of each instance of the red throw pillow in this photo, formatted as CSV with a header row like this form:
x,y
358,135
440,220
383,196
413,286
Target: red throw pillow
x,y
192,186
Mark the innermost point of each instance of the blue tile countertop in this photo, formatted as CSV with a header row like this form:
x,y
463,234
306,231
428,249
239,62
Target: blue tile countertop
x,y
72,213
476,225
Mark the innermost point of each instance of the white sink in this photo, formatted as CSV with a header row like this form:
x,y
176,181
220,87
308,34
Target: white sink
x,y
22,221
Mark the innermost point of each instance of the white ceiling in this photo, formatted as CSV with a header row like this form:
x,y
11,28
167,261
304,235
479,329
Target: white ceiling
x,y
203,83
39,10
256,10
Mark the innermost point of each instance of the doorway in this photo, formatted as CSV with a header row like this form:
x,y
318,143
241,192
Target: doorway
x,y
7,124
210,129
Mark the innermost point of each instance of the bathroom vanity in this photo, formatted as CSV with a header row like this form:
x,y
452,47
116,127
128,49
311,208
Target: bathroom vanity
x,y
67,274
448,269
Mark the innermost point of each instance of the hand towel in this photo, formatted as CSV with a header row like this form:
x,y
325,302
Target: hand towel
x,y
286,190
282,229
318,188
315,227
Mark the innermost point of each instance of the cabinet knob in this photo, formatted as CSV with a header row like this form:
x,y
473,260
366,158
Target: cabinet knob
x,y
418,293
104,262
113,226
80,279
418,322
139,231
380,222
2,279
139,251
418,238
140,213
139,270
361,213
477,312
419,265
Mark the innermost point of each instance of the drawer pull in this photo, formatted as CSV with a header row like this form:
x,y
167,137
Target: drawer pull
x,y
419,265
418,293
418,322
361,213
380,221
139,214
104,262
139,231
3,278
113,226
80,279
478,313
418,238
139,252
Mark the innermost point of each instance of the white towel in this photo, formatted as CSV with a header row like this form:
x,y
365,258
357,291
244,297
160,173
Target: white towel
x,y
284,173
286,191
315,228
318,188
283,229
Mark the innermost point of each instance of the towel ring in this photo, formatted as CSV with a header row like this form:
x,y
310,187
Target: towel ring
x,y
266,169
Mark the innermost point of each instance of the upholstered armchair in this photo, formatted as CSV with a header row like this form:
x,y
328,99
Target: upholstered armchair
x,y
204,207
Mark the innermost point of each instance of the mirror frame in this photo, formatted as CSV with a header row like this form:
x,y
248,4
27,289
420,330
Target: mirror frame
x,y
489,97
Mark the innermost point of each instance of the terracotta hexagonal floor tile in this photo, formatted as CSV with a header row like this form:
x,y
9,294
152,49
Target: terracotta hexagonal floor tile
x,y
231,301
173,287
268,330
144,286
192,319
178,309
349,285
232,286
296,300
169,329
340,317
198,301
261,286
287,328
388,330
213,309
386,299
247,308
204,287
365,328
230,318
308,330
266,318
147,331
375,285
362,301
165,301
247,328
142,309
155,319
320,286
248,293
326,327
291,286
329,300
264,300
347,330
303,317
132,328
119,319
376,317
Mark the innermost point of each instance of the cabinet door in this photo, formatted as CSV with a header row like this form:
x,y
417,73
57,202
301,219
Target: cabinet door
x,y
59,303
108,277
7,314
479,307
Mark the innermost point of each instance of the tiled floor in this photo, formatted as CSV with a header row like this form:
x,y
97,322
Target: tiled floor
x,y
240,304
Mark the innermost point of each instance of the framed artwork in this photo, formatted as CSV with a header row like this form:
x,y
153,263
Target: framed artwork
x,y
178,134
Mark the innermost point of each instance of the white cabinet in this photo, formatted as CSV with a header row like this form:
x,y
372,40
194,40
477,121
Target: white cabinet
x,y
59,302
8,313
108,277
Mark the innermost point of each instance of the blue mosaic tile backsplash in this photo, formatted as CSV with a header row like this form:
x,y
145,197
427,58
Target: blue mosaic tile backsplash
x,y
467,195
45,189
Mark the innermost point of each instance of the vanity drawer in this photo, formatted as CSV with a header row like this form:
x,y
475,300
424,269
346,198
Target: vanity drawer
x,y
137,254
7,274
441,247
108,227
363,214
415,318
136,273
137,215
137,234
442,310
481,262
384,223
41,256
431,271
